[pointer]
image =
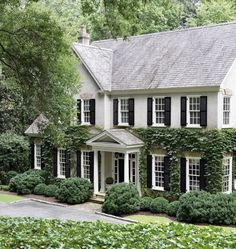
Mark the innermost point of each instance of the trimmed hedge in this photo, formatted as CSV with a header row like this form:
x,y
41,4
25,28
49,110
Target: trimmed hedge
x,y
26,182
145,203
173,208
51,190
40,189
203,207
121,198
33,233
74,190
159,205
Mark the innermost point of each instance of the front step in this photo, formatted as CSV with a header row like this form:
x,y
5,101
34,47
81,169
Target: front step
x,y
98,198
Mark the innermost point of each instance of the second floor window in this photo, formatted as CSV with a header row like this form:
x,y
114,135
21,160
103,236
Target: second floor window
x,y
124,111
86,111
159,111
194,110
226,111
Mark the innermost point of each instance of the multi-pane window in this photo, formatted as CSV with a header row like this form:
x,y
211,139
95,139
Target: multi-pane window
x,y
226,110
227,174
86,165
159,110
86,111
37,156
132,168
194,110
61,162
124,111
193,174
158,172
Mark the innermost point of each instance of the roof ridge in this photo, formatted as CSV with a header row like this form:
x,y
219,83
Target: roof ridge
x,y
166,32
94,47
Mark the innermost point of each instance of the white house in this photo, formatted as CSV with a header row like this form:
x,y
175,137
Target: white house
x,y
177,79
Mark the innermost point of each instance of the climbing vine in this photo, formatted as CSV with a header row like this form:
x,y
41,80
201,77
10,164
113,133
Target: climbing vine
x,y
212,145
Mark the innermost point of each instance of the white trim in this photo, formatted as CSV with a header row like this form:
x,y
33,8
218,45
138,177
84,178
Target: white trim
x,y
82,113
119,112
187,171
58,164
188,112
82,163
153,172
35,156
230,174
154,124
229,125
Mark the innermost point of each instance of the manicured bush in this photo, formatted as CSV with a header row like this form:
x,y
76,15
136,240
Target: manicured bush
x,y
4,187
159,205
3,177
168,195
40,189
122,198
21,233
51,190
26,182
172,208
203,207
11,174
74,190
145,203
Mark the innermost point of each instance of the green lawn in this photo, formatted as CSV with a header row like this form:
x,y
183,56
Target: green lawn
x,y
10,198
164,220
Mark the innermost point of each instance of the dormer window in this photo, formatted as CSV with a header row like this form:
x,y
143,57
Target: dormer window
x,y
86,111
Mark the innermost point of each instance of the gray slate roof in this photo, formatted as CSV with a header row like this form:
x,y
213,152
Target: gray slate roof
x,y
34,128
192,57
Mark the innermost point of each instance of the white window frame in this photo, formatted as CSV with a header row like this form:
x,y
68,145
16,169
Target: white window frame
x,y
36,156
59,175
154,123
82,163
82,112
119,112
187,172
154,187
230,174
229,111
188,112
133,175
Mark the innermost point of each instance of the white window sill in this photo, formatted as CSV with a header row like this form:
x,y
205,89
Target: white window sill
x,y
227,126
159,125
193,126
158,188
61,177
86,124
38,168
123,124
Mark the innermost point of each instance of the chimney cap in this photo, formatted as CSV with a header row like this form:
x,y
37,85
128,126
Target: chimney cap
x,y
83,35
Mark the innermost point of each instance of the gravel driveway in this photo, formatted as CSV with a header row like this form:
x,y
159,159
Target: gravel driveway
x,y
30,208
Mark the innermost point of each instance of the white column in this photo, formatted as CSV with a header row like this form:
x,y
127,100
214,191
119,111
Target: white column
x,y
102,171
126,168
95,176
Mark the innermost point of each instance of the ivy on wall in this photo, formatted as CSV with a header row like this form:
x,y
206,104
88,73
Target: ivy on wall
x,y
211,144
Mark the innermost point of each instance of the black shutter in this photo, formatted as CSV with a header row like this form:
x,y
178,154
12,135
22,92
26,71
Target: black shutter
x,y
67,171
91,155
166,173
32,155
92,106
183,175
42,157
55,162
149,171
131,112
79,111
167,111
203,111
149,111
183,107
202,175
78,153
115,111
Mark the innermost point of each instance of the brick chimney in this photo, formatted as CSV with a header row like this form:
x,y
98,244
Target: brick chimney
x,y
83,36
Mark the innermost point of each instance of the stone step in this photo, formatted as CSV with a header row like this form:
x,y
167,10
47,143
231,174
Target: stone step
x,y
97,199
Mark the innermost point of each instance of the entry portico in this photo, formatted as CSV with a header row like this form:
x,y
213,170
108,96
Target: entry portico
x,y
116,155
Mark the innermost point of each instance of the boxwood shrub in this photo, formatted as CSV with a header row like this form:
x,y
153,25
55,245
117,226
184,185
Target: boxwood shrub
x,y
145,203
203,207
40,189
122,198
26,182
51,190
159,205
172,208
74,190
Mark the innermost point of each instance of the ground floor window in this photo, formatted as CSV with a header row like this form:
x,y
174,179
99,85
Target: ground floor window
x,y
61,163
158,166
193,174
227,175
85,164
132,168
37,156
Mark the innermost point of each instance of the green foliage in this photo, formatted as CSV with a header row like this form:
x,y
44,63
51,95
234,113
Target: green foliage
x,y
212,144
14,152
159,205
145,203
54,234
122,198
203,207
4,187
170,196
51,190
214,11
172,208
26,182
74,190
40,189
11,174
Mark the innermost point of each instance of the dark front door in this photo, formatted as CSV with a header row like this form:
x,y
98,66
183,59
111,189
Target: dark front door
x,y
121,170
